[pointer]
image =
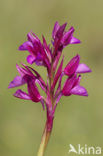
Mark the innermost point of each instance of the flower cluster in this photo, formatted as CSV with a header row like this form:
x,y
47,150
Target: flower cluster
x,y
42,54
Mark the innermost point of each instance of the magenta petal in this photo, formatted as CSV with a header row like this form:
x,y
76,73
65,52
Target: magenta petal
x,y
72,66
27,70
47,50
56,27
74,40
25,46
39,78
30,59
61,31
21,70
18,81
40,84
22,95
71,30
30,37
68,85
33,38
79,90
67,36
83,68
33,91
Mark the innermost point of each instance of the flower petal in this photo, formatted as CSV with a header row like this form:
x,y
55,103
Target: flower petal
x,y
61,31
38,77
47,50
68,85
18,81
33,91
25,46
22,95
72,66
74,40
56,27
31,37
67,37
30,59
39,60
83,68
40,84
79,90
22,71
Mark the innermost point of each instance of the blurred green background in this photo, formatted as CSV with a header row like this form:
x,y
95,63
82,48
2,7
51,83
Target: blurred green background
x,y
78,120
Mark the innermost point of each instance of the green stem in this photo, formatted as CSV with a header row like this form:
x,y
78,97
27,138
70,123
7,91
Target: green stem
x,y
44,141
49,123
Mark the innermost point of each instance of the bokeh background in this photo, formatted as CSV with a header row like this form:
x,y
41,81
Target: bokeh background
x,y
78,120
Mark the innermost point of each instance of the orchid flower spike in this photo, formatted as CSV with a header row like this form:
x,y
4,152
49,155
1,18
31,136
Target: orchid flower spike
x,y
41,54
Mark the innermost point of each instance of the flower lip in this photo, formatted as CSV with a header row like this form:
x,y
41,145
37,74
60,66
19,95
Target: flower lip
x,y
83,68
79,90
72,87
18,81
22,95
